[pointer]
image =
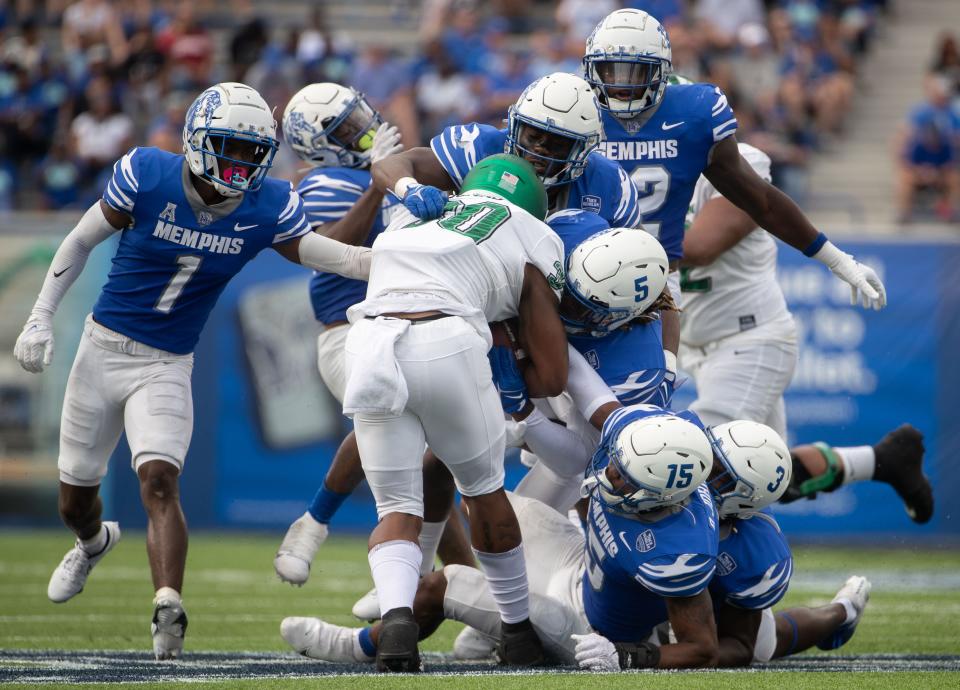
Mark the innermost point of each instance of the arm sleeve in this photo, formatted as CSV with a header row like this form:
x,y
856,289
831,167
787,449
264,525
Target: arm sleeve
x,y
683,575
329,256
564,451
327,198
457,149
121,190
628,210
588,390
70,258
292,221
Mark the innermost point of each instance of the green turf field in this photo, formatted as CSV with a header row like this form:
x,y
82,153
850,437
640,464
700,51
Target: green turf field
x,y
235,603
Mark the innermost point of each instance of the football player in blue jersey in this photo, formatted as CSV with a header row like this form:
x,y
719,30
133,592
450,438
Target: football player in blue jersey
x,y
648,557
665,137
188,223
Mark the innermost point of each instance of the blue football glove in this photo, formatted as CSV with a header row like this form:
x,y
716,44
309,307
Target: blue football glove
x,y
424,201
508,379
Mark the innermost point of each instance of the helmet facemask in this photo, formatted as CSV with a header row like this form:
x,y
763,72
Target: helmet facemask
x,y
625,84
234,162
581,314
559,155
351,133
733,494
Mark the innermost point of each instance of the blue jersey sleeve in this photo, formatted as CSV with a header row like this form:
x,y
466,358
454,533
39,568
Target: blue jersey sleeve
x,y
292,221
628,209
767,590
327,196
723,123
121,191
682,575
458,148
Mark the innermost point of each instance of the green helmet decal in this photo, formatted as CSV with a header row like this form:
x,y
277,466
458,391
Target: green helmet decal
x,y
511,177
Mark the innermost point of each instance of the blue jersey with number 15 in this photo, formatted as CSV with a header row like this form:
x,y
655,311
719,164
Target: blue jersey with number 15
x,y
174,260
666,154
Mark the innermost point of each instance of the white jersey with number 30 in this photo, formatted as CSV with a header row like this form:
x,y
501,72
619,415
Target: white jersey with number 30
x,y
469,262
738,291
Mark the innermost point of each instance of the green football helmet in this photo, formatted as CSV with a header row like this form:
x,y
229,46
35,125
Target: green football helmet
x,y
511,177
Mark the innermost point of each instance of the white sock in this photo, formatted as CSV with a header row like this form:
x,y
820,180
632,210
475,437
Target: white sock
x,y
96,543
167,593
849,608
430,535
858,463
395,566
506,575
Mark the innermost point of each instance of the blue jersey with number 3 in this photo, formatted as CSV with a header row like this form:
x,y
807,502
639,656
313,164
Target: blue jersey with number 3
x,y
630,359
754,564
666,154
174,260
632,564
604,187
328,193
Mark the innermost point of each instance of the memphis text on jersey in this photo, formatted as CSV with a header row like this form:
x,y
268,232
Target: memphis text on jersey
x,y
639,150
195,239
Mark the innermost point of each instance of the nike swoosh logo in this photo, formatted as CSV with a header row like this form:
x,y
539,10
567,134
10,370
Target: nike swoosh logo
x,y
624,541
57,274
241,228
665,126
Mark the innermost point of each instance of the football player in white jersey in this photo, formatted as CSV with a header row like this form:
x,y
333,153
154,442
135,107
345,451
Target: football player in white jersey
x,y
418,374
188,223
739,343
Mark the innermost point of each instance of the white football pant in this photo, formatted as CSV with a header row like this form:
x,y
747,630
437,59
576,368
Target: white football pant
x,y
115,383
331,359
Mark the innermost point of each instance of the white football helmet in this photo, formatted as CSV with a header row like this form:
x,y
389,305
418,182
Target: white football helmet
x,y
555,124
230,118
612,277
756,467
330,125
627,62
660,460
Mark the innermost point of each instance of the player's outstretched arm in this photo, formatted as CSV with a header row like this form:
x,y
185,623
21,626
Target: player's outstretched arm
x,y
774,211
542,335
693,624
323,254
717,227
415,177
737,634
34,347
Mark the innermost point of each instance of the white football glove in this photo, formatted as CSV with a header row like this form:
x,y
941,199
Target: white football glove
x,y
515,432
596,653
34,348
386,142
865,287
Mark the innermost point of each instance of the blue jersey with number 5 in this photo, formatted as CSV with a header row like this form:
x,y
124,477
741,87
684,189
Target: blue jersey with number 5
x,y
175,258
666,154
633,564
630,360
604,187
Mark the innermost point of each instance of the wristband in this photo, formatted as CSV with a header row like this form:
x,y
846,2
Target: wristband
x,y
643,655
816,245
403,185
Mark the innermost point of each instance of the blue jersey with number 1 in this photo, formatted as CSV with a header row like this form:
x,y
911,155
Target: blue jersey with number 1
x,y
630,360
633,564
328,193
666,154
604,187
174,260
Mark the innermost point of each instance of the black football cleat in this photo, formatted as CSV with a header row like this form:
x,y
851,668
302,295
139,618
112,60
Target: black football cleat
x,y
899,463
519,645
397,647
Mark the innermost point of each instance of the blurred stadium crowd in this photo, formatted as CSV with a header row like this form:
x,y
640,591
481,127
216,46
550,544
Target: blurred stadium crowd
x,y
83,80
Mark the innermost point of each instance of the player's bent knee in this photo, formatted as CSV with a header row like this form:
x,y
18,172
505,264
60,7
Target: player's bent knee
x,y
159,479
766,643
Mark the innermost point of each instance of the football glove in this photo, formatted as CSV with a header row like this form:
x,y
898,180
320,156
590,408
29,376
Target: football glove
x,y
386,142
596,653
424,201
865,286
508,379
34,347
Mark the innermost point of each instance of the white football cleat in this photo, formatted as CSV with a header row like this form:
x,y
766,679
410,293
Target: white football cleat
x,y
367,607
473,645
318,639
855,590
168,627
71,575
298,548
